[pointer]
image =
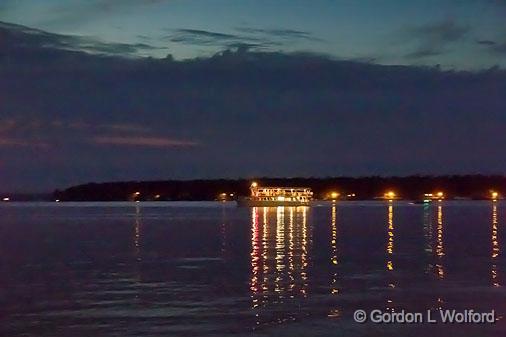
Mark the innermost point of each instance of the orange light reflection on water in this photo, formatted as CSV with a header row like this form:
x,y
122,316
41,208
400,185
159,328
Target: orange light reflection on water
x,y
279,260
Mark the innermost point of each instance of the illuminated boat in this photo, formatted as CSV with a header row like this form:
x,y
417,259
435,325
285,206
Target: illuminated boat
x,y
276,196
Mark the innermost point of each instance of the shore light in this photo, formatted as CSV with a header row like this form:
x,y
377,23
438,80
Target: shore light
x,y
440,195
390,195
134,196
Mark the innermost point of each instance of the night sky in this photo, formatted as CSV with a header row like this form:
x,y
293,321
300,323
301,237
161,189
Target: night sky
x,y
96,90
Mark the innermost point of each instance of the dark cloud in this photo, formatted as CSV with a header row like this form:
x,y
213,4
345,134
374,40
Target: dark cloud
x,y
238,113
424,52
125,127
434,38
222,40
289,34
251,38
161,142
16,36
41,132
207,34
493,46
486,42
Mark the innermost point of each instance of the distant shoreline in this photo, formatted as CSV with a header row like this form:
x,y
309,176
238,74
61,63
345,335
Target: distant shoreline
x,y
471,187
233,203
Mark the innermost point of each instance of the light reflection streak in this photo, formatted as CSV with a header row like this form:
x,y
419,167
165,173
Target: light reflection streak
x,y
390,241
223,231
438,266
255,255
137,233
304,253
264,255
279,262
495,246
440,249
428,234
291,265
334,288
280,251
427,226
390,251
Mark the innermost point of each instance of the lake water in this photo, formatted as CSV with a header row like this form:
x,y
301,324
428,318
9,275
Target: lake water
x,y
212,269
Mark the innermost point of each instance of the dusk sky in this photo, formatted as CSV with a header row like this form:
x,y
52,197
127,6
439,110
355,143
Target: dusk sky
x,y
114,90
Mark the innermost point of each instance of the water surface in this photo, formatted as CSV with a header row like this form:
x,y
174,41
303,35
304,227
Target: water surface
x,y
212,269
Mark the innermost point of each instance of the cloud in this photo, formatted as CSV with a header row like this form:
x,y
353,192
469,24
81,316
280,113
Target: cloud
x,y
13,124
207,34
143,141
210,38
125,127
44,133
486,42
493,47
434,38
422,52
250,38
16,36
239,113
287,34
7,142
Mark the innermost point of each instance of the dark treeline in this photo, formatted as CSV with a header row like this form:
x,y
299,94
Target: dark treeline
x,y
28,196
411,187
